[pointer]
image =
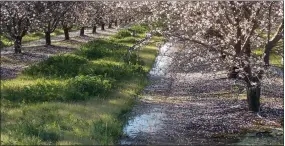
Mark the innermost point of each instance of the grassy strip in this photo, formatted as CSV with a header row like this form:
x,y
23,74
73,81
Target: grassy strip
x,y
83,101
30,37
274,58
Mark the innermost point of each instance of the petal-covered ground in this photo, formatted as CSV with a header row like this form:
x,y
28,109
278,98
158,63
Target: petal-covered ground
x,y
35,51
196,105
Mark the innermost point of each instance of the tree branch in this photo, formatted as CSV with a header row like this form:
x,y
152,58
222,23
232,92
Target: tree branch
x,y
205,45
254,27
279,33
269,22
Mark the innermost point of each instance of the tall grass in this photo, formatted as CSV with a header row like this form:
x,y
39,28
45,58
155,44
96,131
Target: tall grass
x,y
77,98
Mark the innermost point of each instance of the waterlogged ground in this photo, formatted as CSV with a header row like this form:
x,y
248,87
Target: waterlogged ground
x,y
35,51
185,106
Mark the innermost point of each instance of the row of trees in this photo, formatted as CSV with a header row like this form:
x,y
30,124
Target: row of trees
x,y
228,33
21,18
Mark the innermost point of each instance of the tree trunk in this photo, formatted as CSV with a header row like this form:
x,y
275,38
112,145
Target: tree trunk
x,y
66,33
253,98
94,29
103,26
116,22
126,21
272,43
233,74
47,36
82,31
238,44
267,50
1,44
17,44
110,25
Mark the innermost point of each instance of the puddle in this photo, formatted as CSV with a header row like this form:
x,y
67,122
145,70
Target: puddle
x,y
191,123
147,123
163,60
161,66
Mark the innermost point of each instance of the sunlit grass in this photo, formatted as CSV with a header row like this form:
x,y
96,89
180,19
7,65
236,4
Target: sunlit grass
x,y
5,41
274,58
75,119
90,121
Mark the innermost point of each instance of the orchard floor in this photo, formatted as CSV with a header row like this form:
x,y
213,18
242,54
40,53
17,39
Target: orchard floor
x,y
185,106
35,51
182,105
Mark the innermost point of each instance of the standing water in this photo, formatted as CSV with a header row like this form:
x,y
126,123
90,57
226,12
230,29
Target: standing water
x,y
174,109
163,61
149,121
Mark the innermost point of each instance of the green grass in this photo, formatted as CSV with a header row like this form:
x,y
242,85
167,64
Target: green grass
x,y
77,98
274,58
139,28
30,37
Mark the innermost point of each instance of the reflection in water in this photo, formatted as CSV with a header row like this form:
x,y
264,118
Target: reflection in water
x,y
150,122
146,123
192,123
163,60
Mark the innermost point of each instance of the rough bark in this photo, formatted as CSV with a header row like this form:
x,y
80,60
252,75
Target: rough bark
x,y
233,74
1,44
116,22
253,98
238,44
82,31
268,48
94,29
103,26
66,33
48,39
110,25
17,44
247,49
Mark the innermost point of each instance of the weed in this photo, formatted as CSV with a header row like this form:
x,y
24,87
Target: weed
x,y
140,28
100,48
66,65
37,92
82,87
122,34
106,130
78,98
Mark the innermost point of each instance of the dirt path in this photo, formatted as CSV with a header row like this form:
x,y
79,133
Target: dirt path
x,y
184,106
35,51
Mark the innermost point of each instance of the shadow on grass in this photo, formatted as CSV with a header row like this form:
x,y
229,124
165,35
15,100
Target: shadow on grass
x,y
88,122
43,49
71,42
